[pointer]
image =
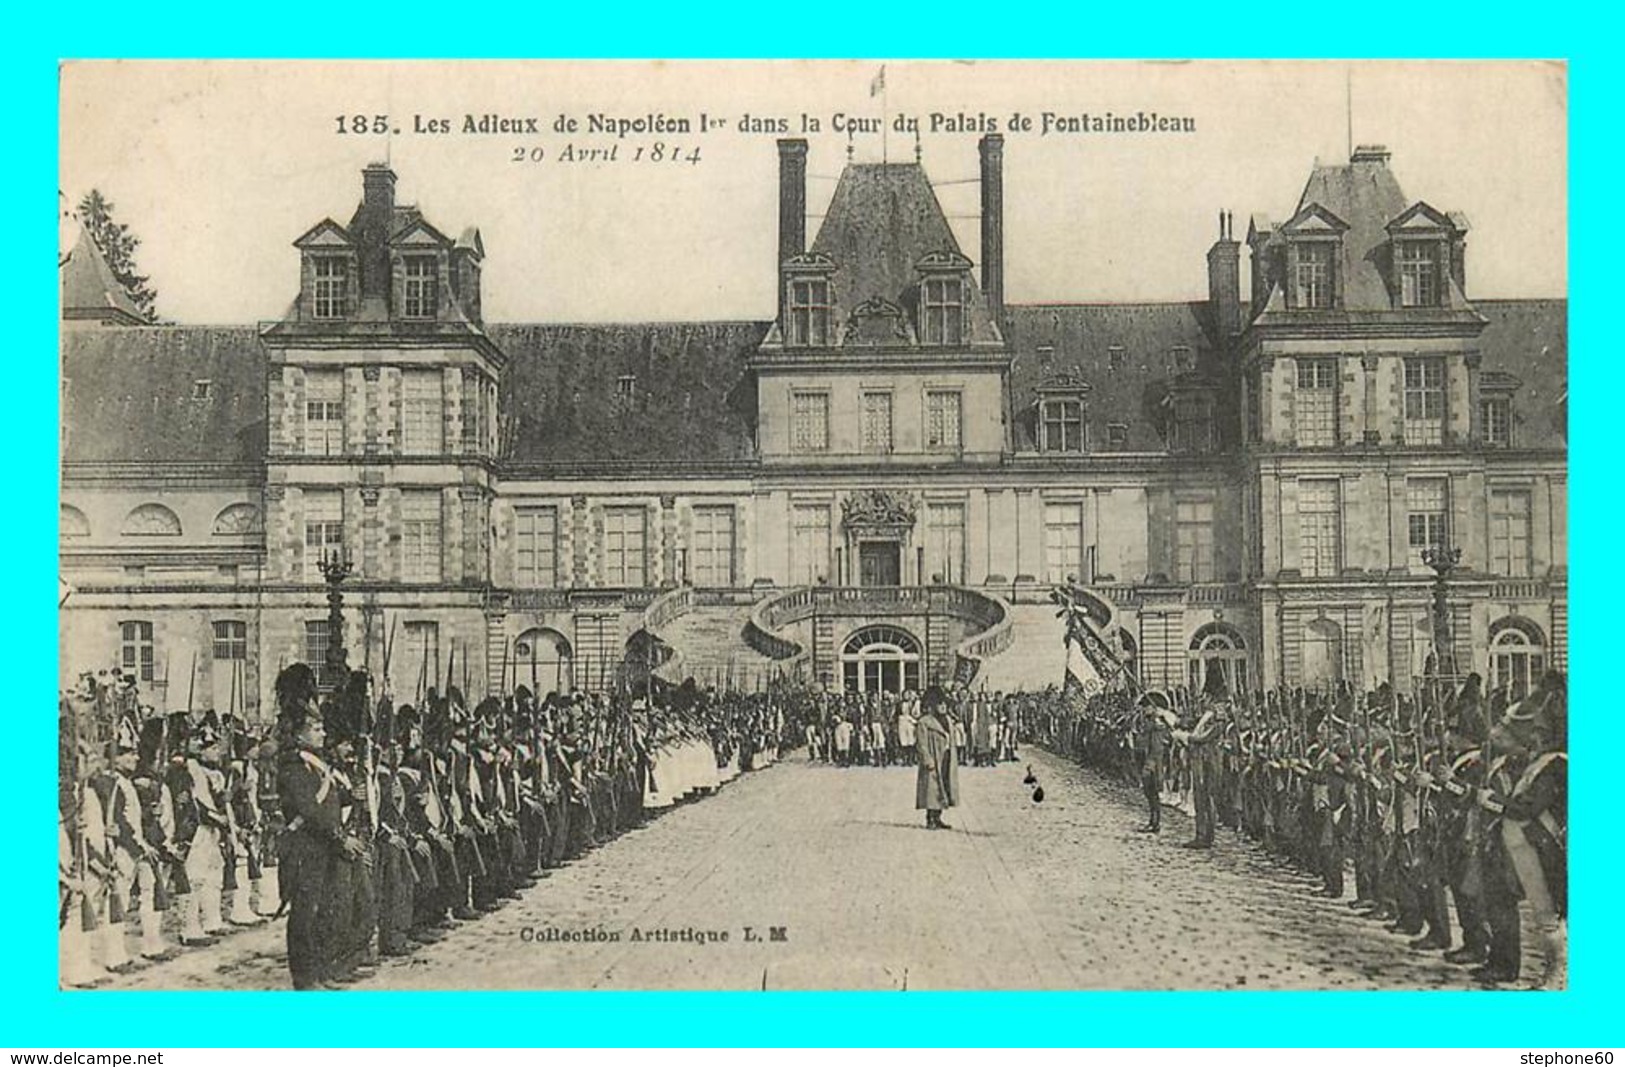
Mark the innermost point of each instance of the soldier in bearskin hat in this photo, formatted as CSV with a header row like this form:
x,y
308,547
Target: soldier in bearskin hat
x,y
314,840
157,822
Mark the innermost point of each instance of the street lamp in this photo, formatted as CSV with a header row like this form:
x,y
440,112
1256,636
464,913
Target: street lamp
x,y
1442,560
336,566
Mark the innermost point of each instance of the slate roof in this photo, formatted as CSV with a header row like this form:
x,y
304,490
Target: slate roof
x,y
883,219
130,390
1529,339
129,396
89,289
691,400
1080,338
1365,195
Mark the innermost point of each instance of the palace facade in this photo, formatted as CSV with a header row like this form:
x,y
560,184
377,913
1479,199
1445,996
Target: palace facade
x,y
876,488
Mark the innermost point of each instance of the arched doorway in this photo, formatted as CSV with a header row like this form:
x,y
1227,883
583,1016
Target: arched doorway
x,y
880,659
1218,660
1322,654
1517,655
541,659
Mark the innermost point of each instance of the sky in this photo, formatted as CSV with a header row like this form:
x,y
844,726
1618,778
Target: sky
x,y
219,166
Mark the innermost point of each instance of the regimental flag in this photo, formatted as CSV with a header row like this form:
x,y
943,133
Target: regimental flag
x,y
1080,670
878,85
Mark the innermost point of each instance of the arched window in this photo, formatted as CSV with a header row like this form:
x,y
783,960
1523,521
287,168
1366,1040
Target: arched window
x,y
151,520
541,659
1322,654
1218,660
238,519
73,522
1517,655
880,659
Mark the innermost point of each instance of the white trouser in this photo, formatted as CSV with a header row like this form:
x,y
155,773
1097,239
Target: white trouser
x,y
76,962
205,869
146,885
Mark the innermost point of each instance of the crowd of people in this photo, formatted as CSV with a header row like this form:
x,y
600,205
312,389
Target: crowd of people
x,y
878,729
376,826
372,826
1448,804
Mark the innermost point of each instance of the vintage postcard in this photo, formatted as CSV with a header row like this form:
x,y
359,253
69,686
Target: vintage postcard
x,y
813,525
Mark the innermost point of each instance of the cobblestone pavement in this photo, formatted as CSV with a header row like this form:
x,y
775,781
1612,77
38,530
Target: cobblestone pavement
x,y
1058,895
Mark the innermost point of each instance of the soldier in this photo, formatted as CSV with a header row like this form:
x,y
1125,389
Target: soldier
x,y
122,846
157,823
1200,742
203,825
1154,738
247,879
314,839
1534,826
397,877
351,907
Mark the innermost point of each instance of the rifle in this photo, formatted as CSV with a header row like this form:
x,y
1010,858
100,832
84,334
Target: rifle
x,y
191,682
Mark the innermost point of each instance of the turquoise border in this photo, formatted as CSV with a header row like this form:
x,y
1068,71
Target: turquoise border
x,y
35,1014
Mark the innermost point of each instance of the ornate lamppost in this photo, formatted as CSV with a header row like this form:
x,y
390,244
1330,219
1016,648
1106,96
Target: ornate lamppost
x,y
1442,559
336,566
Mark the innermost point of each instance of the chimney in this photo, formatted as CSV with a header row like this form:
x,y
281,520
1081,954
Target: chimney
x,y
792,207
1224,280
377,207
992,146
1370,153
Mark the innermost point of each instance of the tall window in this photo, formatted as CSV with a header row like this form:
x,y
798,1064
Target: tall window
x,y
1063,542
1497,419
1314,276
1319,527
1193,424
943,311
420,295
473,413
324,529
809,312
1314,404
1509,532
136,649
1424,400
1427,504
1517,658
809,422
420,536
1063,424
809,544
332,296
1418,273
711,556
624,539
230,639
877,433
536,544
1193,537
942,425
944,542
422,414
324,413
317,642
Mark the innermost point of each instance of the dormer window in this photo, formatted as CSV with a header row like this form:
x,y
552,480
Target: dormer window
x,y
1193,424
943,311
332,281
1314,274
420,295
1497,415
1310,243
1062,421
1418,264
809,311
